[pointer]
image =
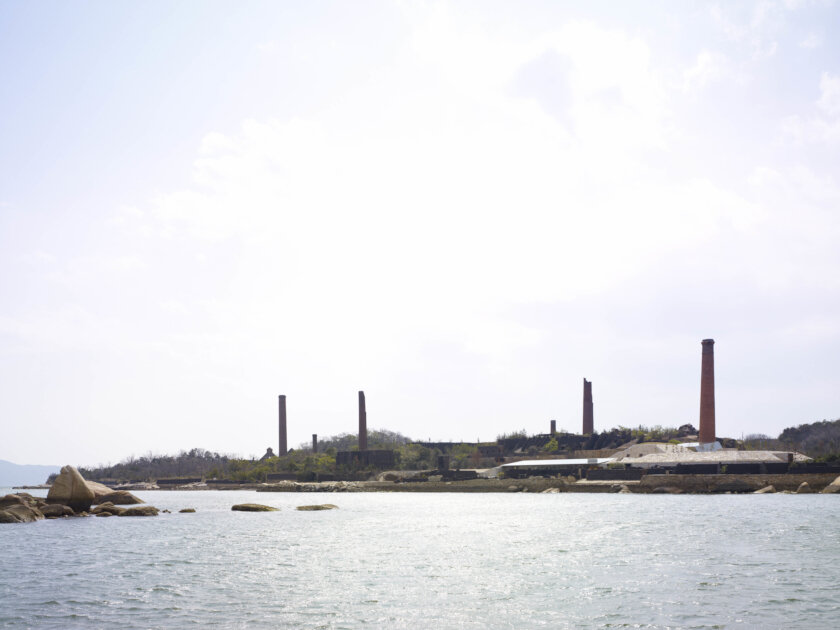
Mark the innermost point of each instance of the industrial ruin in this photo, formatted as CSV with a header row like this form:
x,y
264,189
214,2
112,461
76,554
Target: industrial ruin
x,y
590,455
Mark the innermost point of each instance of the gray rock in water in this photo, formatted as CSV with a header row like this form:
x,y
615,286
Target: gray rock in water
x,y
253,507
315,508
187,511
766,490
804,488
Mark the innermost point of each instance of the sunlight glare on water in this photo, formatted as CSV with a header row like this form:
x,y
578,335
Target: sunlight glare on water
x,y
432,560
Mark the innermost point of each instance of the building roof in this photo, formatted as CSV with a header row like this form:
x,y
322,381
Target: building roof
x,y
547,463
670,454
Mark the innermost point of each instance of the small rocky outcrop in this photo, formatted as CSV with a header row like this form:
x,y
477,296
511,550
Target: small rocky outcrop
x,y
56,510
804,488
140,510
118,497
833,487
766,490
253,507
70,489
107,508
20,513
187,511
316,508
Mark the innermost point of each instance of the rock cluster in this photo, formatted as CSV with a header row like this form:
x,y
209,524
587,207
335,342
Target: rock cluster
x,y
21,508
71,495
71,489
315,508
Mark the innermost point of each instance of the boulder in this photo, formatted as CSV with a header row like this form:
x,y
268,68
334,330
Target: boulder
x,y
253,507
550,491
315,508
56,510
11,499
108,507
118,497
139,510
766,490
20,514
99,490
70,488
833,487
187,511
804,488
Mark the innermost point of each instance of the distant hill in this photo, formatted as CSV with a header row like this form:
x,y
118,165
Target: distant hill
x,y
24,475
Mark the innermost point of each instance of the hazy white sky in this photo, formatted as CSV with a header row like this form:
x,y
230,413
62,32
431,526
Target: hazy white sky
x,y
461,208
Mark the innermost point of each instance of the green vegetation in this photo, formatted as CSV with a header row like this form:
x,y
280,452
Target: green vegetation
x,y
820,440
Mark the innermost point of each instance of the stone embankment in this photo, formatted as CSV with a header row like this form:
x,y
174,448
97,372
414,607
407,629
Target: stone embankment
x,y
650,484
705,484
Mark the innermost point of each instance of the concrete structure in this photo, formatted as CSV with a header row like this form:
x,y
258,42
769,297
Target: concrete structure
x,y
362,422
553,427
651,454
314,442
588,412
707,393
282,450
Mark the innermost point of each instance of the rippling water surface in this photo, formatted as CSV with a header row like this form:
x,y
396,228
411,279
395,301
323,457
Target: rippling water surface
x,y
432,561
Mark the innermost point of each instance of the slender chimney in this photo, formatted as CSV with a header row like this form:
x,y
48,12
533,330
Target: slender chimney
x,y
553,427
282,450
362,423
314,442
707,393
588,413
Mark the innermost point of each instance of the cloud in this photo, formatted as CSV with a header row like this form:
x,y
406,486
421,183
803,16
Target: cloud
x,y
812,41
829,101
708,67
820,129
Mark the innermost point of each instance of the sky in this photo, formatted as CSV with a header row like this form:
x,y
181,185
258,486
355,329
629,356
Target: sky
x,y
463,209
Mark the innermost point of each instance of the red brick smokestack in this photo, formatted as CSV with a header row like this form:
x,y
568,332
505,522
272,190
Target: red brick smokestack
x,y
707,393
282,450
362,423
588,413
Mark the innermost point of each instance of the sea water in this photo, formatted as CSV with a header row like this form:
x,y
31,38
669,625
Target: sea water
x,y
432,561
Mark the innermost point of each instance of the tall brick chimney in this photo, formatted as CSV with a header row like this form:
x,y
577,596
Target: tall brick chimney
x,y
314,442
282,450
707,393
588,413
362,423
553,427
